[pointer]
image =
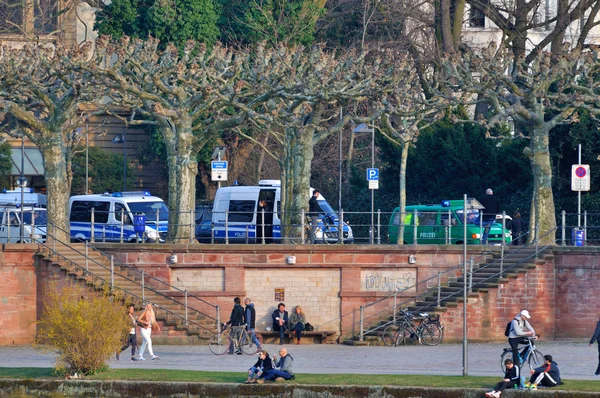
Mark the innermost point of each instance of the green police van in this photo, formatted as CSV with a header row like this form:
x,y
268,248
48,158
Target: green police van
x,y
443,224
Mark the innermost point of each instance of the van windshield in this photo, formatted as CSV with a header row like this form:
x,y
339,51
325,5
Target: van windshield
x,y
472,216
149,209
326,207
41,217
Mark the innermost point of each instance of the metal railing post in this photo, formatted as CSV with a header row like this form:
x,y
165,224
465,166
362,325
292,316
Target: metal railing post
x,y
503,244
218,316
394,308
439,289
585,227
122,224
157,222
563,240
362,313
8,230
302,225
537,226
247,231
92,238
212,233
104,233
192,229
415,224
143,287
481,228
87,257
341,228
226,227
186,306
471,275
262,226
53,238
378,226
112,272
32,227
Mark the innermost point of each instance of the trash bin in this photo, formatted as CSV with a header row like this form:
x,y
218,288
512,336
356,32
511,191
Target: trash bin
x,y
578,237
139,223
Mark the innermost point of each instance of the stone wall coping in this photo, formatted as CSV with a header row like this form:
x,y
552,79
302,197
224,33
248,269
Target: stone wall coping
x,y
201,293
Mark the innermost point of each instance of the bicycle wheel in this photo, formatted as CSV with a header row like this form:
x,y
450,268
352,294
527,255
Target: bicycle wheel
x,y
330,236
247,344
507,354
536,359
295,236
390,335
405,334
219,343
432,334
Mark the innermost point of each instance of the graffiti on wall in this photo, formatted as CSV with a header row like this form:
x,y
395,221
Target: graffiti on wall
x,y
396,280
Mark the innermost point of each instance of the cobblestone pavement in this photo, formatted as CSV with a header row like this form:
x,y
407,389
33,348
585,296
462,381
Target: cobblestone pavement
x,y
576,360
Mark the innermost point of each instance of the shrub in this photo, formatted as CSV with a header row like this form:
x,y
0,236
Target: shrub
x,y
85,329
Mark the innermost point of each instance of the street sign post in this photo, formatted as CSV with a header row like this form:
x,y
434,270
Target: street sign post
x,y
580,177
218,170
373,178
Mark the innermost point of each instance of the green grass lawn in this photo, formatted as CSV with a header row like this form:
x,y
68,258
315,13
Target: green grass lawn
x,y
331,379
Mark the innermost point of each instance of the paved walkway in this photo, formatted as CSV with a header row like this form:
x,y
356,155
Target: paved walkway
x,y
575,359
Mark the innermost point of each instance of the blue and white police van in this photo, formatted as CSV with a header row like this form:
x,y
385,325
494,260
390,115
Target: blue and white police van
x,y
237,206
114,216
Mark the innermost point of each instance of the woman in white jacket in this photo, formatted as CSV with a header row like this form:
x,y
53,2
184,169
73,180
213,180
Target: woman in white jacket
x,y
147,322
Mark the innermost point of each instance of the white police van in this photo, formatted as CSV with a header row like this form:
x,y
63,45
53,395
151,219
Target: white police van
x,y
112,216
13,197
237,206
34,221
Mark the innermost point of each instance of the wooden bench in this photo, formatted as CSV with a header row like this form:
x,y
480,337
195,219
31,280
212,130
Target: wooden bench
x,y
320,335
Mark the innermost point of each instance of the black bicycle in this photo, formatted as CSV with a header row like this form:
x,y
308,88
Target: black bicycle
x,y
429,331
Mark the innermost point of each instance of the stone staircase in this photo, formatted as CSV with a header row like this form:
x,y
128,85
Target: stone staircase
x,y
127,285
486,275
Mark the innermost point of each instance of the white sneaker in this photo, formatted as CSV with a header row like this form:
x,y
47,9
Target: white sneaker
x,y
154,357
490,394
141,359
497,394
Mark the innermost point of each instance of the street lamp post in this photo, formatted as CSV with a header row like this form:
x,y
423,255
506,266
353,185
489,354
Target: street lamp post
x,y
87,125
364,128
22,183
118,139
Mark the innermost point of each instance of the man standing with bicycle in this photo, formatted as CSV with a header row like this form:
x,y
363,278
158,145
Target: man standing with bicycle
x,y
314,209
596,338
236,320
519,329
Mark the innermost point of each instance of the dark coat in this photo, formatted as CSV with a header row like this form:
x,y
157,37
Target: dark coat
x,y
516,226
250,322
552,371
276,322
596,336
313,207
266,364
237,316
492,207
513,374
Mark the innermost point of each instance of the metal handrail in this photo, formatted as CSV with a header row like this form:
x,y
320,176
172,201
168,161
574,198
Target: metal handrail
x,y
142,284
428,291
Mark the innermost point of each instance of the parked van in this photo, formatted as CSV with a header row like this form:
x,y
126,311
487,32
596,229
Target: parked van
x,y
12,197
106,211
443,224
239,205
34,224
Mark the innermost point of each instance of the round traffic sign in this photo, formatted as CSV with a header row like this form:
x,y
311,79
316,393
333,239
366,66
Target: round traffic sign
x,y
580,172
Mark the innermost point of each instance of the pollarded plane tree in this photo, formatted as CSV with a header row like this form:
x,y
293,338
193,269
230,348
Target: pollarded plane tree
x,y
538,96
309,86
45,96
410,109
191,95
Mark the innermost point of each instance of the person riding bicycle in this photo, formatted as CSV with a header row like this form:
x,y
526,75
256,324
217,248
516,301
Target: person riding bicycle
x,y
236,320
314,209
519,330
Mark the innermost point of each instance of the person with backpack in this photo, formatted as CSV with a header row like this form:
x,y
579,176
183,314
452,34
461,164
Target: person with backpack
x,y
516,330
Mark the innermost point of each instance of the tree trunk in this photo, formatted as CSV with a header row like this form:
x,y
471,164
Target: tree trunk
x,y
542,204
58,177
183,169
446,28
401,218
457,22
296,172
261,158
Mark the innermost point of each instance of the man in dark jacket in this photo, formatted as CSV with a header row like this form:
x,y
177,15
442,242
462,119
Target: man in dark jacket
x,y
250,321
236,320
280,321
596,337
314,210
492,207
546,375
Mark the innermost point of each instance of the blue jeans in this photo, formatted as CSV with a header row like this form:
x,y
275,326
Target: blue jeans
x,y
298,328
487,225
254,338
282,330
275,373
254,371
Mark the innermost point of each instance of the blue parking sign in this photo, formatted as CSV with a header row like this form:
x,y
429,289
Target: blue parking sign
x,y
372,174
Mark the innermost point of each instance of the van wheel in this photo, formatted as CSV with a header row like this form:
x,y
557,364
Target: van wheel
x,y
458,242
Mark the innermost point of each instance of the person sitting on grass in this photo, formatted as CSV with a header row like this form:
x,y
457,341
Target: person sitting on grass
x,y
285,368
262,366
512,378
546,375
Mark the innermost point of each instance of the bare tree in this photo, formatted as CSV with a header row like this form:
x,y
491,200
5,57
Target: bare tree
x,y
43,95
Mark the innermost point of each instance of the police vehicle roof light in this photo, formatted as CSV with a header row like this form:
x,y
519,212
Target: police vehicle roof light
x,y
445,203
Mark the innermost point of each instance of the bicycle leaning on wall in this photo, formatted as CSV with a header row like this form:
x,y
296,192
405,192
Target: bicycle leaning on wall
x,y
429,331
